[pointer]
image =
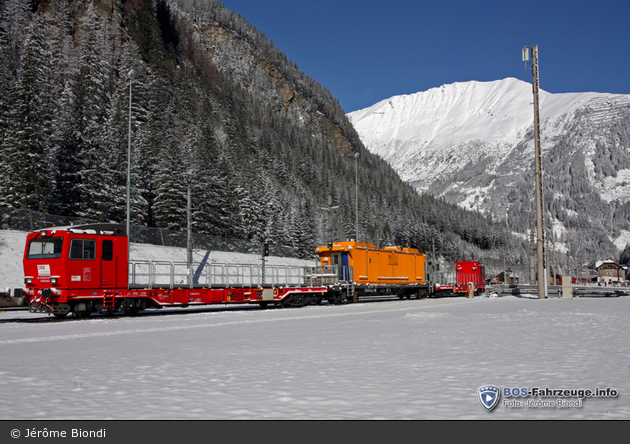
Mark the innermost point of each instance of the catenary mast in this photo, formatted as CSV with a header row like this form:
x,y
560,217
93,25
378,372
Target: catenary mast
x,y
532,52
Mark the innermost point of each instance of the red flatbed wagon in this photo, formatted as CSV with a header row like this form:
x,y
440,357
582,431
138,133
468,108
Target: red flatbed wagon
x,y
85,269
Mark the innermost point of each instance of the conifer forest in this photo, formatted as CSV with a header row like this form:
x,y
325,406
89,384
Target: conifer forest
x,y
266,151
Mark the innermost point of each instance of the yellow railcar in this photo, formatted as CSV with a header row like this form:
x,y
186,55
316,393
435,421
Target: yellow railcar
x,y
371,271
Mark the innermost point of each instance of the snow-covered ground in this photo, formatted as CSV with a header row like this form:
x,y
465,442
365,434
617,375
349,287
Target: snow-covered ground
x,y
417,359
412,359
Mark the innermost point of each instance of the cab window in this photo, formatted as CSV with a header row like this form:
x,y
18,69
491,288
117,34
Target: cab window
x,y
49,248
83,249
108,250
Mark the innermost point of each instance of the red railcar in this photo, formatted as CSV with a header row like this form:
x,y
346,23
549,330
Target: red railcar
x,y
470,273
85,269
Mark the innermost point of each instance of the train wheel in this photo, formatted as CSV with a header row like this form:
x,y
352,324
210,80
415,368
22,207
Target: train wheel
x,y
82,314
318,300
61,310
263,304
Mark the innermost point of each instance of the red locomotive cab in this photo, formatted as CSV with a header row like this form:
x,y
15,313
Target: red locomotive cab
x,y
471,272
80,257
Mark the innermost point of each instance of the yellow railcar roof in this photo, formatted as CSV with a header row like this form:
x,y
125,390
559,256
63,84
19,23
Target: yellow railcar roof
x,y
348,245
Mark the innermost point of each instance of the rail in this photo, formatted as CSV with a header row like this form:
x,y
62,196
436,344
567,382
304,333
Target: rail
x,y
162,274
579,290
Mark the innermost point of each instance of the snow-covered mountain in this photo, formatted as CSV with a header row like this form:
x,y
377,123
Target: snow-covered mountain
x,y
473,144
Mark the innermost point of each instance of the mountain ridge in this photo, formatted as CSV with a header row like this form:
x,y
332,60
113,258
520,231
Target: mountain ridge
x,y
472,144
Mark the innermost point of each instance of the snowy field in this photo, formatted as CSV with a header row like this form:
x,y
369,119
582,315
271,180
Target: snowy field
x,y
416,359
411,360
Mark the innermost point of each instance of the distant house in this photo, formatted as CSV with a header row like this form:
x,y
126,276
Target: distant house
x,y
609,272
505,278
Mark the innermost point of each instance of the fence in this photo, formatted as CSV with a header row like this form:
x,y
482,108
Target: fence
x,y
155,274
29,220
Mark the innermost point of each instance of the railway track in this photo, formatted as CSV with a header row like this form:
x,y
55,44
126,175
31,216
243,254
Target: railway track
x,y
578,291
24,316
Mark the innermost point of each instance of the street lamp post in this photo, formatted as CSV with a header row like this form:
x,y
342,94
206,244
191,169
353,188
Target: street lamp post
x,y
356,210
132,75
507,227
189,243
329,210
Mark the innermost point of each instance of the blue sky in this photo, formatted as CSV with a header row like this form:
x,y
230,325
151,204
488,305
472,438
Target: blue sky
x,y
365,51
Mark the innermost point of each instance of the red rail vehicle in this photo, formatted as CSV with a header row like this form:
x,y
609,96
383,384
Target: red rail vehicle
x,y
84,269
469,276
470,273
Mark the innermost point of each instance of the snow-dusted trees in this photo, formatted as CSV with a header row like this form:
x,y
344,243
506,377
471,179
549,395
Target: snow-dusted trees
x,y
27,130
64,143
92,84
14,18
63,140
213,188
260,145
169,207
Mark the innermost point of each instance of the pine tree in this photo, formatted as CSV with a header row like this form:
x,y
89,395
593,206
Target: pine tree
x,y
25,145
170,204
208,187
63,128
64,196
14,19
304,231
96,182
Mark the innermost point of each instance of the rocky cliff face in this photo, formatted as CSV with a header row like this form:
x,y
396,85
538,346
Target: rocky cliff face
x,y
249,60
